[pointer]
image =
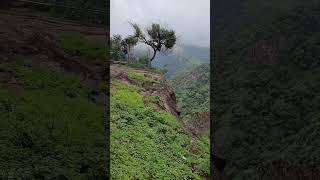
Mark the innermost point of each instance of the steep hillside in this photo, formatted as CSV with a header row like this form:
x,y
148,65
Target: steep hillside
x,y
51,100
147,139
192,89
266,98
191,86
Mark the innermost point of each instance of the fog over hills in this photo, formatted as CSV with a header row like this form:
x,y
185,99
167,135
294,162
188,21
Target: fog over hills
x,y
180,57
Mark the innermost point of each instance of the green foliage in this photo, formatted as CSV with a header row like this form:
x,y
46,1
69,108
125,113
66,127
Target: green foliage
x,y
159,37
125,86
140,78
77,44
202,156
73,13
160,33
116,49
268,104
131,40
191,87
153,98
49,126
147,144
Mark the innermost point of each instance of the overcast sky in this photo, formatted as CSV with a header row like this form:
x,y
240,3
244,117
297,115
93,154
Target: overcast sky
x,y
189,18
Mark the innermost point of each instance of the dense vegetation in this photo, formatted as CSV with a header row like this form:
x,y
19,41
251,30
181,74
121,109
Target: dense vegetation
x,y
150,144
77,44
49,124
191,86
51,103
266,96
93,11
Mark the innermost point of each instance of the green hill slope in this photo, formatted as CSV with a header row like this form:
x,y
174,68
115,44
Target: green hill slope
x,y
51,103
48,125
192,89
147,141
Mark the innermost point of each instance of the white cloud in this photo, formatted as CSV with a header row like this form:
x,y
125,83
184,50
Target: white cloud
x,y
189,18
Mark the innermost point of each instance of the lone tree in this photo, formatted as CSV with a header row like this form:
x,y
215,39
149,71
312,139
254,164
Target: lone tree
x,y
128,43
159,38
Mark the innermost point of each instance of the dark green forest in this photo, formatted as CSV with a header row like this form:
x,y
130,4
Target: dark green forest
x,y
91,12
191,86
266,94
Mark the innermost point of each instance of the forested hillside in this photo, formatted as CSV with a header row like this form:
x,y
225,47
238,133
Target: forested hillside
x,y
191,86
266,97
186,57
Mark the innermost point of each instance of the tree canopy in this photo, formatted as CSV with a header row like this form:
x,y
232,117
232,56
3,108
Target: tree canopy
x,y
158,37
122,47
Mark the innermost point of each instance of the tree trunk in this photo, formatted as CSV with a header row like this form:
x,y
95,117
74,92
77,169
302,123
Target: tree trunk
x,y
154,55
128,49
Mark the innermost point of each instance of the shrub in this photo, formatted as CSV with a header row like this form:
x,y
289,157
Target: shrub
x,y
140,78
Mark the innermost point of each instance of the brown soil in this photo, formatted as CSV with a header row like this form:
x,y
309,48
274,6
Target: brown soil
x,y
8,80
198,125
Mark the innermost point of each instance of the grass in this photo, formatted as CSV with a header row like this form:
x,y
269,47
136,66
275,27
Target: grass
x,y
122,85
140,78
77,44
50,127
153,98
145,143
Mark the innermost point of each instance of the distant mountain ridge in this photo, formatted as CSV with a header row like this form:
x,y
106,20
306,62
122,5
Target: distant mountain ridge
x,y
181,57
